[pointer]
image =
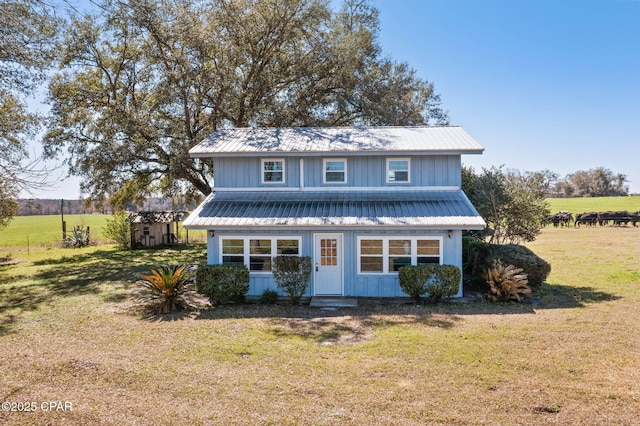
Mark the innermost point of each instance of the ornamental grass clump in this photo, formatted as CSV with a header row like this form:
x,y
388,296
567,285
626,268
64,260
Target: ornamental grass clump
x,y
164,288
292,275
506,283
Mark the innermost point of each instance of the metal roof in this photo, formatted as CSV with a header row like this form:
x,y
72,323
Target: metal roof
x,y
436,209
157,217
363,140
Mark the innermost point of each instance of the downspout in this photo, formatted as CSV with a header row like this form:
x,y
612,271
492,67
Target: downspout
x,y
301,174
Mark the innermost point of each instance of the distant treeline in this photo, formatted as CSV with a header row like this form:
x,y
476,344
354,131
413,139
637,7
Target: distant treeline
x,y
32,207
598,182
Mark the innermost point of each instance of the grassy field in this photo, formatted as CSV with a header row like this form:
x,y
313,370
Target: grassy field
x,y
599,204
46,230
69,333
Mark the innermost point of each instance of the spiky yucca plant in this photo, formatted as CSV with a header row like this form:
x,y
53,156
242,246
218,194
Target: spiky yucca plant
x,y
164,288
506,283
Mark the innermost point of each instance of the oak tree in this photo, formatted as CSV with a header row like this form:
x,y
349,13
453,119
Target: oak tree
x,y
142,82
27,40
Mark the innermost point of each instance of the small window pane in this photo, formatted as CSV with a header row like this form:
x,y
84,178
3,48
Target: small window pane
x,y
396,263
400,247
398,165
401,176
260,263
371,264
427,260
428,247
370,247
232,246
270,166
233,260
260,246
288,247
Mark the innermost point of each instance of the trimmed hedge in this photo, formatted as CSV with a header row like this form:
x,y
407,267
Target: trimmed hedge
x,y
438,281
478,256
222,282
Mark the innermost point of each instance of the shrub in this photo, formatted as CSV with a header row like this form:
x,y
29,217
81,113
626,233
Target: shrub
x,y
269,297
164,288
292,275
536,268
478,257
506,283
118,229
220,282
439,281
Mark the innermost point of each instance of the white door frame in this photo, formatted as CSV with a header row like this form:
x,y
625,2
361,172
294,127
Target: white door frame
x,y
316,261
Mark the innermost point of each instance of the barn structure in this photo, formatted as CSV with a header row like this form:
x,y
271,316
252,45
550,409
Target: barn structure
x,y
150,229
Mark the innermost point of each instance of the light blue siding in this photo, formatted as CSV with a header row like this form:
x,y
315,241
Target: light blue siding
x,y
362,171
360,285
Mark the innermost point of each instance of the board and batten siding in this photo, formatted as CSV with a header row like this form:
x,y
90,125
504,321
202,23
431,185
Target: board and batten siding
x,y
360,285
362,171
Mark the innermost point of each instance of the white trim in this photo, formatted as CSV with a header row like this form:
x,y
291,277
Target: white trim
x,y
385,250
393,182
340,189
246,249
263,171
324,170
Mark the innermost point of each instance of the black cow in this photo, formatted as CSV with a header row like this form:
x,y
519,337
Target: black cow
x,y
590,218
562,218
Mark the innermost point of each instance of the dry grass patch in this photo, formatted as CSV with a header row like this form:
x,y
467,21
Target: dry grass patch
x,y
67,334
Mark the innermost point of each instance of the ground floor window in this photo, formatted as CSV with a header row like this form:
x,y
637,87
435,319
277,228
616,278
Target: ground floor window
x,y
256,252
385,255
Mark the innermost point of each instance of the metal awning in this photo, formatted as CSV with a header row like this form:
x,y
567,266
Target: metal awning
x,y
348,209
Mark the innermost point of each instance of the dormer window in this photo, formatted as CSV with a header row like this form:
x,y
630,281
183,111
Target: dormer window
x,y
398,170
335,170
273,170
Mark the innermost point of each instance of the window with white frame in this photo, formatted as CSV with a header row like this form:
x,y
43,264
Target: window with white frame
x,y
398,170
272,170
335,170
256,252
385,255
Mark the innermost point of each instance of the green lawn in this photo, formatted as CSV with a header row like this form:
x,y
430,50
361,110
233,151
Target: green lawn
x,y
46,230
599,204
69,332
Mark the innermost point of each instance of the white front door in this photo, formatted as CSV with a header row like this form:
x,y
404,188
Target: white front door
x,y
328,264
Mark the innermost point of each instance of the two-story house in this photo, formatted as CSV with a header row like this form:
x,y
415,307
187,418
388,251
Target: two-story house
x,y
362,202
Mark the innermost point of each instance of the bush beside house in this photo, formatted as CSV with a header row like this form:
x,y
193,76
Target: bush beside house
x,y
438,281
478,257
222,282
292,275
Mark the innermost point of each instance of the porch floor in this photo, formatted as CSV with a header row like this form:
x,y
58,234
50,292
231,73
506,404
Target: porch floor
x,y
333,302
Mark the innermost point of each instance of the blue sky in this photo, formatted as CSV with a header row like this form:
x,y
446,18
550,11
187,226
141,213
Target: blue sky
x,y
541,84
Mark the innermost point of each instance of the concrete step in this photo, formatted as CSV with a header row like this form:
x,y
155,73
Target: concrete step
x,y
333,302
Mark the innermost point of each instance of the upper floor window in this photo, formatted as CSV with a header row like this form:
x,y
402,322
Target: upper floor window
x,y
335,170
273,170
398,170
